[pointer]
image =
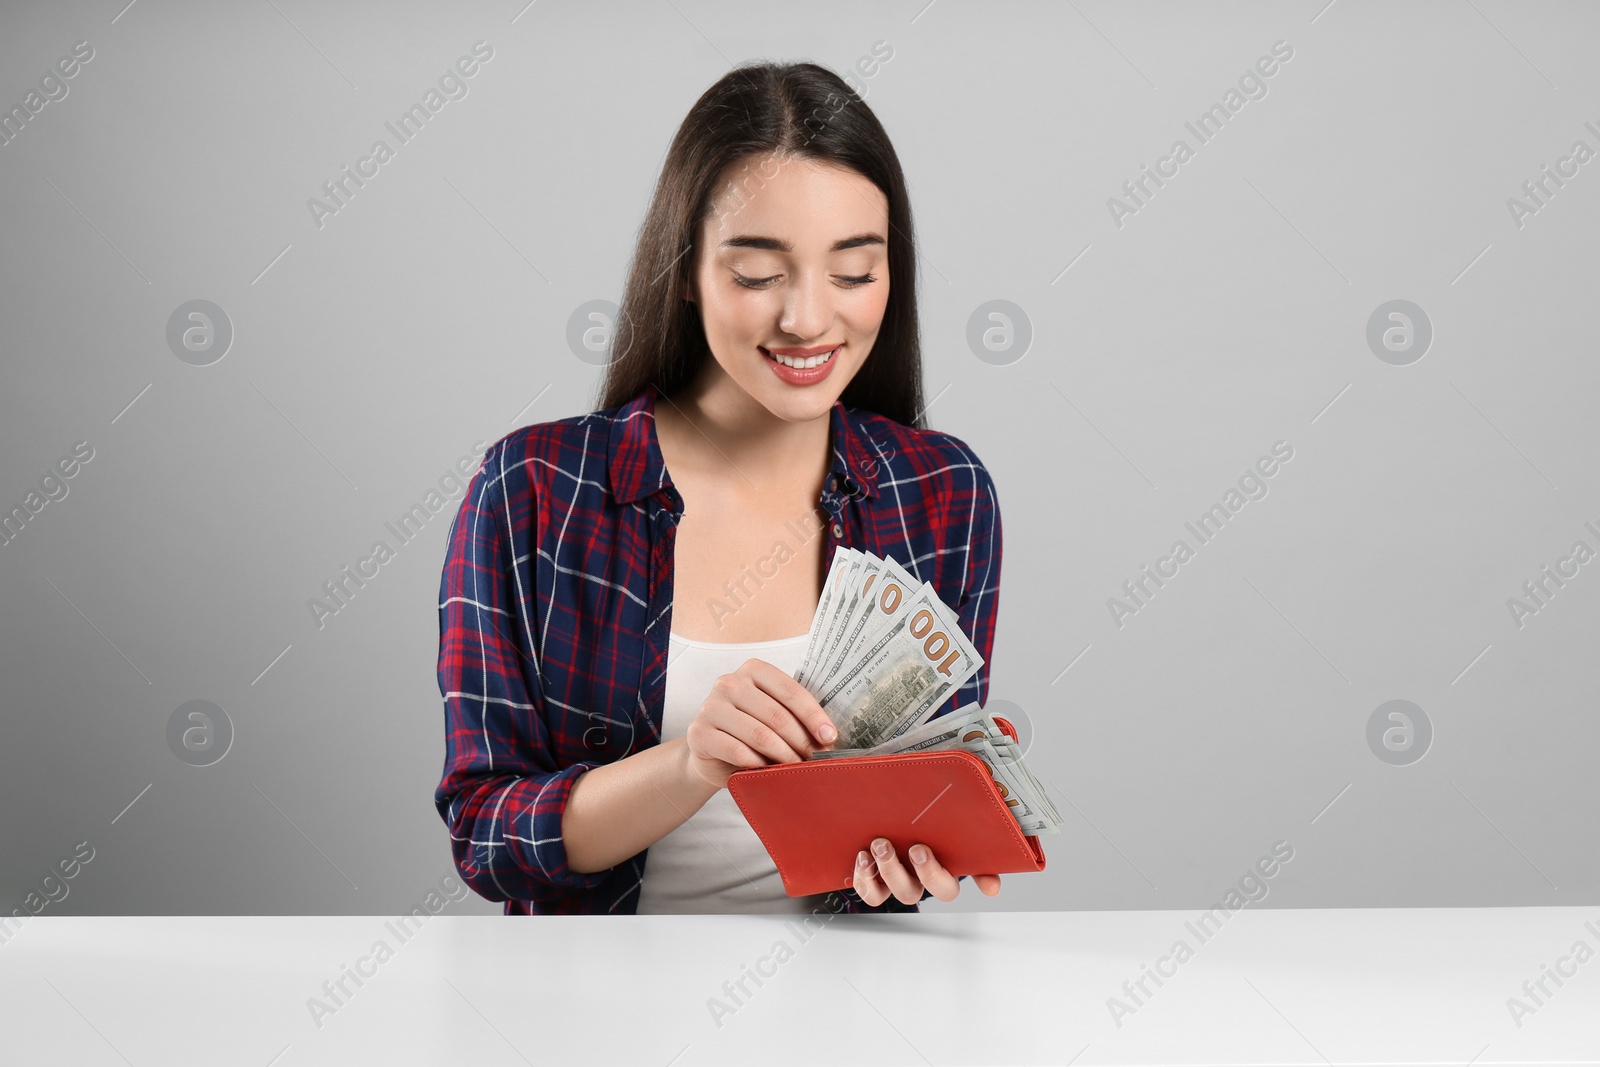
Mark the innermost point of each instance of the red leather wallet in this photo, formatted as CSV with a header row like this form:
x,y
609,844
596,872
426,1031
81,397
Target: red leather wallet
x,y
814,816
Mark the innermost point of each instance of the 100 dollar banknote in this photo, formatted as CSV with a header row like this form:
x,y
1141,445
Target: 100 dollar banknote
x,y
915,659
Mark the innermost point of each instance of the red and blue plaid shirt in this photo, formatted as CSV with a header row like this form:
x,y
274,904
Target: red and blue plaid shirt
x,y
556,602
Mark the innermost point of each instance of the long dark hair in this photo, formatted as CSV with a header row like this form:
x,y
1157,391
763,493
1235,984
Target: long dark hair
x,y
793,110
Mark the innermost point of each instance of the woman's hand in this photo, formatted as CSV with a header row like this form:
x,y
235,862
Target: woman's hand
x,y
755,716
880,873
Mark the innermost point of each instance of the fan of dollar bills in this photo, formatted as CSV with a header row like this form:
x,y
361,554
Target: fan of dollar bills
x,y
884,655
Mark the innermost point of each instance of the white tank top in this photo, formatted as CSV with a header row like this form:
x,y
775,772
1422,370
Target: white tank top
x,y
714,862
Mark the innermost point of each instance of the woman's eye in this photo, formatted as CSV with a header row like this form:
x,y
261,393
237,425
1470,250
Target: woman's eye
x,y
851,282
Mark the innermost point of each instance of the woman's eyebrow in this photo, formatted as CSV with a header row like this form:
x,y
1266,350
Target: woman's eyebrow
x,y
774,244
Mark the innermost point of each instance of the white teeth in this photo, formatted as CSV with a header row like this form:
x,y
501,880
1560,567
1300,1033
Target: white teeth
x,y
804,364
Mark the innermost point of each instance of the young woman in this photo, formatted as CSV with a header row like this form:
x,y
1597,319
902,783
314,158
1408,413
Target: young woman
x,y
627,594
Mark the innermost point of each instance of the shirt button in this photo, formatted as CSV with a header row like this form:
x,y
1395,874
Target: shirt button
x,y
838,531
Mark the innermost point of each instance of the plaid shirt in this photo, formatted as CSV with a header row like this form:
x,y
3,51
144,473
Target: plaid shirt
x,y
556,601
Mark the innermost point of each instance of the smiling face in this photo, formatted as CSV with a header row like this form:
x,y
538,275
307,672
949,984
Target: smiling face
x,y
794,263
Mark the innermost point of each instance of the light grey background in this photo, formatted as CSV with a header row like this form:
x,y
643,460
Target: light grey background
x,y
1168,354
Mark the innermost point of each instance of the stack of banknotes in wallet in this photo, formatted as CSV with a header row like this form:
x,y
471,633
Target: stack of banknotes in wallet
x,y
885,653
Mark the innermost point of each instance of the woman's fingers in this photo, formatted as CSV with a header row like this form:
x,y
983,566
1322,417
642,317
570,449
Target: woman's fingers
x,y
988,884
869,887
737,706
879,876
755,698
709,741
753,717
905,885
797,700
940,882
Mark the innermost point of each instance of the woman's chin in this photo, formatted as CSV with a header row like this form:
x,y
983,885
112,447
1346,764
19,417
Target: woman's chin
x,y
798,404
803,401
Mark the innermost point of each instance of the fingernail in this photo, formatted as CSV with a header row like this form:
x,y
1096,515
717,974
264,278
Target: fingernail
x,y
863,859
919,854
828,733
881,848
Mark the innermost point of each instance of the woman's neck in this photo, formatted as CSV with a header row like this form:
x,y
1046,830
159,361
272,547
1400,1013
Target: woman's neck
x,y
710,425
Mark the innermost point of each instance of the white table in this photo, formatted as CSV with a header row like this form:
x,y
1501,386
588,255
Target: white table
x,y
1272,986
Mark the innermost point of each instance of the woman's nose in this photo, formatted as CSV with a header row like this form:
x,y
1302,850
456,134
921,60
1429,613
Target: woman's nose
x,y
807,309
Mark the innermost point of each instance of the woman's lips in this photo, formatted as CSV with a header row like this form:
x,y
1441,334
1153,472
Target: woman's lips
x,y
798,375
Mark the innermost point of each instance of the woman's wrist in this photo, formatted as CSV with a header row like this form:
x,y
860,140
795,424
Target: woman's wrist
x,y
684,761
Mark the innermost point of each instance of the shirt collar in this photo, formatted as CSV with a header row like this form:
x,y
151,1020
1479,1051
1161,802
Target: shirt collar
x,y
638,470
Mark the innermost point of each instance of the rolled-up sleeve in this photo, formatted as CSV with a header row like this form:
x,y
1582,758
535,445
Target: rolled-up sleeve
x,y
502,796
